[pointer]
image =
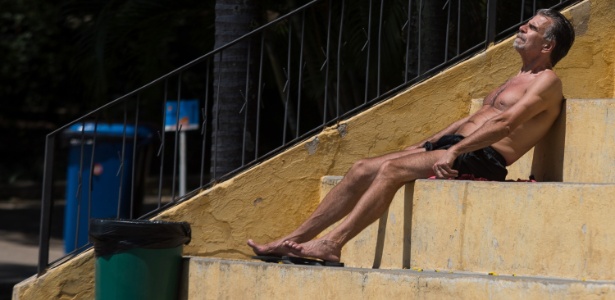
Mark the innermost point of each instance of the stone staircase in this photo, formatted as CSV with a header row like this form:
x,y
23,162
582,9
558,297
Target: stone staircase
x,y
226,279
453,239
440,239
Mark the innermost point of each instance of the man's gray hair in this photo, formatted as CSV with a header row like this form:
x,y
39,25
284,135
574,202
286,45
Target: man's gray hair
x,y
561,31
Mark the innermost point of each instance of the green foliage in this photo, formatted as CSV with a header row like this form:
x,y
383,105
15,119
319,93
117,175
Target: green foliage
x,y
62,58
125,44
35,88
34,45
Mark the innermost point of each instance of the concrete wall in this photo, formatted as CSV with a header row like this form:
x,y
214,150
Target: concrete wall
x,y
270,199
555,230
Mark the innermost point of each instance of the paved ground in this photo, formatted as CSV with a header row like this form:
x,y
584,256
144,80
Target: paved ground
x,y
19,238
19,227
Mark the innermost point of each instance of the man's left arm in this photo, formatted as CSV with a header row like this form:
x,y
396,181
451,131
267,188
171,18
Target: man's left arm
x,y
539,97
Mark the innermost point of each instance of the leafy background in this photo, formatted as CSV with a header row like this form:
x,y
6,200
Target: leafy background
x,y
63,58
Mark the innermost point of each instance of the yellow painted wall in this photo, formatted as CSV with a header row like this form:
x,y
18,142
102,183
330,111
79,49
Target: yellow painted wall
x,y
270,199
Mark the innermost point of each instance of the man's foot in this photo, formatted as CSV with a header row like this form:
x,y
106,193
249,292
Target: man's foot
x,y
292,260
320,248
276,248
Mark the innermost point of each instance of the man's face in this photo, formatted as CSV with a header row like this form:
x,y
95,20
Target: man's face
x,y
531,34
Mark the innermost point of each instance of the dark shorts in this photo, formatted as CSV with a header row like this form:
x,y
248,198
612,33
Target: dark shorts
x,y
484,163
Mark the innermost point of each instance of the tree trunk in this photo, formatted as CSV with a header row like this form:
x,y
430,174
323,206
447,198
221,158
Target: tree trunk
x,y
234,18
428,31
433,34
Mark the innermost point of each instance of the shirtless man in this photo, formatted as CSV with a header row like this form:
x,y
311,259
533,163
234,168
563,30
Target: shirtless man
x,y
514,117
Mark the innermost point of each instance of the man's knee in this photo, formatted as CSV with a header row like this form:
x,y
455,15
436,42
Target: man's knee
x,y
363,168
388,169
393,172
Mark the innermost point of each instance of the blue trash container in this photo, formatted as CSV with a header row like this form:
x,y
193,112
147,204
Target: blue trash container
x,y
105,200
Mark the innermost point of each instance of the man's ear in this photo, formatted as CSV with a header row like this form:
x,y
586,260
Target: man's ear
x,y
548,46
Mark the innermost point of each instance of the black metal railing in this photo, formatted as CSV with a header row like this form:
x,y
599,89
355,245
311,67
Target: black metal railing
x,y
257,95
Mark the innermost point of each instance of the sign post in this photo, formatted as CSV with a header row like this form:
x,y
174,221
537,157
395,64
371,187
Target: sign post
x,y
185,115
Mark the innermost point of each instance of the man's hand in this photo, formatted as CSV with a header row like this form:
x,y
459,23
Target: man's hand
x,y
443,168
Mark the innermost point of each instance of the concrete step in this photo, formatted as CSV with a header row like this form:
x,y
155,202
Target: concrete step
x,y
579,147
539,229
209,278
535,229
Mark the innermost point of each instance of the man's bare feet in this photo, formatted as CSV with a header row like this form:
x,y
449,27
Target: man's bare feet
x,y
274,248
320,248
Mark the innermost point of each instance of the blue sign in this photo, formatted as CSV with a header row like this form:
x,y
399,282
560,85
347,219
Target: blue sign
x,y
188,115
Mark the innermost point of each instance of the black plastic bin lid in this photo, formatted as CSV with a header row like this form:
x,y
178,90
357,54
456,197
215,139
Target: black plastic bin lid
x,y
111,236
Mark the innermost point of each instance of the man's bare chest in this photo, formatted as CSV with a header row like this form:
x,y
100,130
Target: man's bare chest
x,y
508,93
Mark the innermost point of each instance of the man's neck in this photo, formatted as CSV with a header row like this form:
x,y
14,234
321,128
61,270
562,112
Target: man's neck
x,y
533,70
535,66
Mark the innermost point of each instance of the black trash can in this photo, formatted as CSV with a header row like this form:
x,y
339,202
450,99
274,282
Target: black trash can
x,y
138,259
106,200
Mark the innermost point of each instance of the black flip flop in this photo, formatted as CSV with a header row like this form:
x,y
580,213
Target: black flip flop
x,y
291,260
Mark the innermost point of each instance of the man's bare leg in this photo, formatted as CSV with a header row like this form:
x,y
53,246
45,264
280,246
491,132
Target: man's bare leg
x,y
392,175
336,204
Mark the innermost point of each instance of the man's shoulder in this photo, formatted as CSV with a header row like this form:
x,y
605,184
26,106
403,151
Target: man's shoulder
x,y
547,82
549,78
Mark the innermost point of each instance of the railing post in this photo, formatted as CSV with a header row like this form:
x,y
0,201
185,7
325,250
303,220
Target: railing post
x,y
491,18
46,205
134,159
178,132
205,113
161,135
300,79
339,63
379,55
368,52
326,67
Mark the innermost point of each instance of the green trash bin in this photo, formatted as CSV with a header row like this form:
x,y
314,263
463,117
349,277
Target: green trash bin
x,y
138,259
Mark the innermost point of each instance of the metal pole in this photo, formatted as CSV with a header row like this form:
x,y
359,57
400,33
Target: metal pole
x,y
177,130
491,18
46,205
182,163
205,113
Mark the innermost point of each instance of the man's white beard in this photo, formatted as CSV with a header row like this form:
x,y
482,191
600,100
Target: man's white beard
x,y
517,45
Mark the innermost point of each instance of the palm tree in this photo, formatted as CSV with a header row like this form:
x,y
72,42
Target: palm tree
x,y
234,18
432,33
